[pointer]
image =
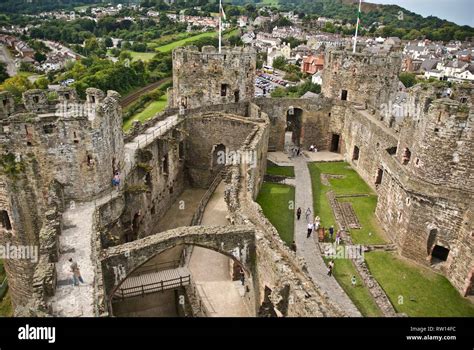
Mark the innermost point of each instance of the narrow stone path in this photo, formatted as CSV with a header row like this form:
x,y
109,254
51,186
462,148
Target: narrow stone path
x,y
307,247
75,242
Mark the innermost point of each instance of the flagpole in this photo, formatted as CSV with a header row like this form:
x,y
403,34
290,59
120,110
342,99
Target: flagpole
x,y
357,28
220,25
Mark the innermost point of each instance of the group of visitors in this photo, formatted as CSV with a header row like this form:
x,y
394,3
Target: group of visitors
x,y
313,148
295,151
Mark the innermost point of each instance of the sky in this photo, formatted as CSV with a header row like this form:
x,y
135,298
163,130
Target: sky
x,y
458,11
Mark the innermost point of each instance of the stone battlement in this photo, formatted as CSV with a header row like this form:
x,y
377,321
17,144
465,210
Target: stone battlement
x,y
63,102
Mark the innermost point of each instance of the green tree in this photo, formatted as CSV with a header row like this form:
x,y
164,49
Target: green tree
x,y
408,79
3,72
279,62
16,85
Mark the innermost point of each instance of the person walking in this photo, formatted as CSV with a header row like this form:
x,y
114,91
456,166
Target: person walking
x,y
298,213
330,268
338,237
293,246
331,231
310,229
308,214
353,281
76,273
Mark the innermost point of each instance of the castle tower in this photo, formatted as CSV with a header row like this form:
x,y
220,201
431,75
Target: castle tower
x,y
363,78
436,143
52,151
208,77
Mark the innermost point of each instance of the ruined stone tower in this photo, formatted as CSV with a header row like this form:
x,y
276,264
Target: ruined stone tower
x,y
55,151
361,78
208,77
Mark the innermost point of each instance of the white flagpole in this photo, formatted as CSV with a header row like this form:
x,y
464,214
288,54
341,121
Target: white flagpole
x,y
220,25
357,28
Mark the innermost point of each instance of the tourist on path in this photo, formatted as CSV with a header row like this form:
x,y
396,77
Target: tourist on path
x,y
293,246
298,213
330,268
308,214
331,231
338,237
76,273
310,229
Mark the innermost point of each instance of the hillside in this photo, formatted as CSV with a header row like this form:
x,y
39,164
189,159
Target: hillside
x,y
408,26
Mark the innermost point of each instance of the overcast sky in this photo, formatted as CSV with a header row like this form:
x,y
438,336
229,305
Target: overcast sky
x,y
457,11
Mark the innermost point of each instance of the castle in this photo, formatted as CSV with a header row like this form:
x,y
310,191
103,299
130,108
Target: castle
x,y
57,171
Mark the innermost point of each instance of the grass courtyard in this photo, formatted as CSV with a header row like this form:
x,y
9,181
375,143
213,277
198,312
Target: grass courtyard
x,y
286,171
351,184
416,290
412,289
275,200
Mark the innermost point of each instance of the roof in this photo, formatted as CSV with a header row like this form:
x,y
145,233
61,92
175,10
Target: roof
x,y
429,64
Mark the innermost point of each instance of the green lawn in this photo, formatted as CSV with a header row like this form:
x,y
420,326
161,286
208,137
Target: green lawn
x,y
276,201
352,183
425,293
144,56
149,112
174,44
287,171
360,295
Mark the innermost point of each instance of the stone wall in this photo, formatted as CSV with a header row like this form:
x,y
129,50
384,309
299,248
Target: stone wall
x,y
368,79
209,77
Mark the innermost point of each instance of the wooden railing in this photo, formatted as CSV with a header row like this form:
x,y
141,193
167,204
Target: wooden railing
x,y
154,287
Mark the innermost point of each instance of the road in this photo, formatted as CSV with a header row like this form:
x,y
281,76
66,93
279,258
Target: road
x,y
6,57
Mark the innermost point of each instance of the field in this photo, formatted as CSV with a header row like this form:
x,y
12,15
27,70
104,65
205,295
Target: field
x,y
149,112
416,290
275,202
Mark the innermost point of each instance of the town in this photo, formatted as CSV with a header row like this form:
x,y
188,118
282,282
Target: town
x,y
231,159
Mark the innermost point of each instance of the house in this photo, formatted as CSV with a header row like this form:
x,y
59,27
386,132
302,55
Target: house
x,y
312,64
317,78
429,64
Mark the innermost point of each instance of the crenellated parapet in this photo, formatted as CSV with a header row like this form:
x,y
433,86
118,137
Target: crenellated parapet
x,y
208,77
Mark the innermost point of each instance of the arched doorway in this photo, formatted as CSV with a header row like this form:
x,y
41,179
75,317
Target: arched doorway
x,y
294,122
218,156
185,281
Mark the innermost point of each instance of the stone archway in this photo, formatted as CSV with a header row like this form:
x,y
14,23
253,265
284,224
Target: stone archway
x,y
294,126
120,262
176,281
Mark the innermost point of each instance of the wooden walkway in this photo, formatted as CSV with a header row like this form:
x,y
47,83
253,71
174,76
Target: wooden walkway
x,y
154,282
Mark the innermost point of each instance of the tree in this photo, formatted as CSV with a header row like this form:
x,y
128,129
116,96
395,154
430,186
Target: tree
x,y
40,57
408,79
3,72
279,62
16,85
41,83
108,42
